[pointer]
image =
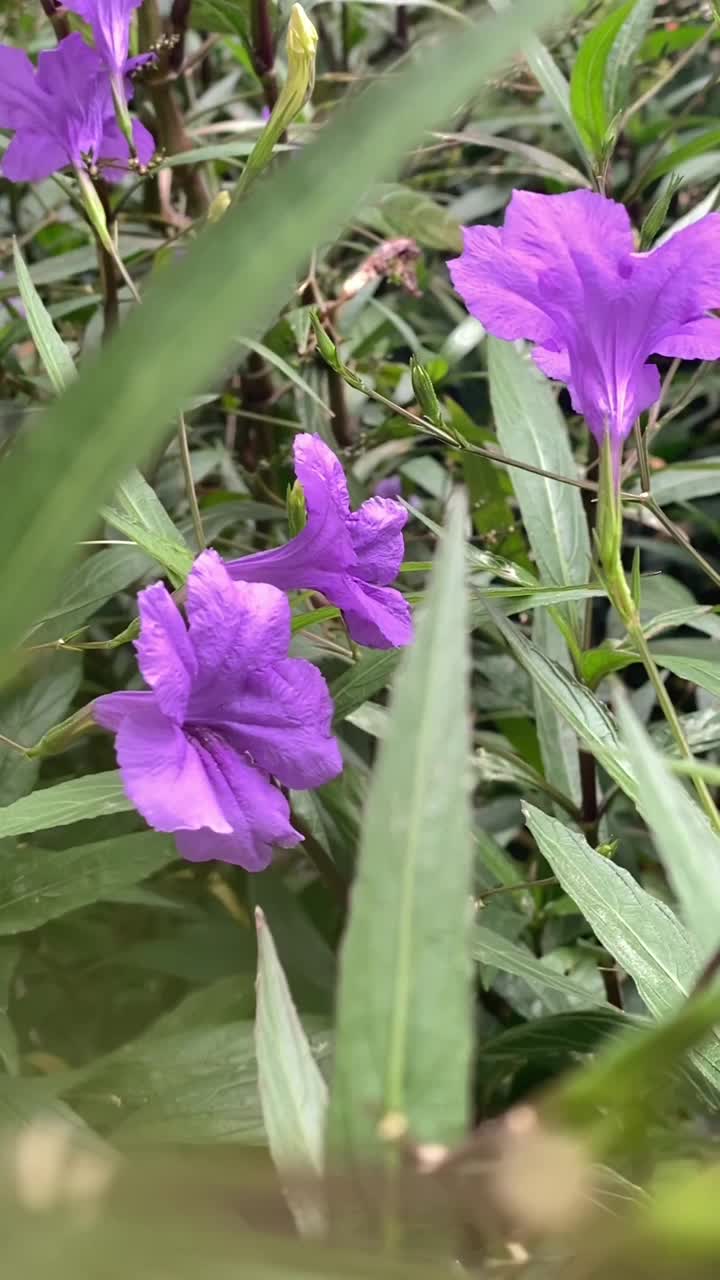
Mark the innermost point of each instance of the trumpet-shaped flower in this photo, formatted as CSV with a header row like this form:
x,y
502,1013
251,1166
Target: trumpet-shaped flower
x,y
351,557
226,713
62,114
563,272
110,22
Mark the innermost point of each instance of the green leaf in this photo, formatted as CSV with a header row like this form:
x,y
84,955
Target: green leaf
x,y
9,1052
362,681
89,586
685,481
699,670
640,931
228,17
404,1029
37,885
531,428
493,949
401,211
40,698
588,97
237,273
575,703
689,849
623,56
707,141
555,86
138,512
293,1094
94,796
55,356
558,744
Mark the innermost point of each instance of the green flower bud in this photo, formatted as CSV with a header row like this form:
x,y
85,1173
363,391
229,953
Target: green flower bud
x,y
296,509
425,393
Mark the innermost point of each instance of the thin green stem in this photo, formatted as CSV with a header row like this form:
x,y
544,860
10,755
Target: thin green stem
x,y
635,632
186,463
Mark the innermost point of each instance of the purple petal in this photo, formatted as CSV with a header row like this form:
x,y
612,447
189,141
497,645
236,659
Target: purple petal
x,y
68,71
165,775
22,103
165,655
500,290
325,541
258,813
282,720
546,229
110,22
235,627
113,147
376,532
696,340
110,709
555,364
378,617
33,156
390,487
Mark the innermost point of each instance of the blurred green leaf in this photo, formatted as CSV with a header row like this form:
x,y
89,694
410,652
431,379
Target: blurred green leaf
x,y
237,274
293,1094
89,586
93,796
401,211
404,1030
37,885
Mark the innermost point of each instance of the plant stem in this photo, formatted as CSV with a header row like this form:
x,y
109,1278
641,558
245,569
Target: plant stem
x,y
186,464
635,632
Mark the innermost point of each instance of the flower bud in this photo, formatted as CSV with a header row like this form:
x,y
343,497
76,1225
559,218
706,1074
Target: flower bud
x,y
296,509
326,346
425,392
219,206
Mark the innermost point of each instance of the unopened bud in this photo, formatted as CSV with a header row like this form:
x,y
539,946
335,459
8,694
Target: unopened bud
x,y
425,392
326,346
296,509
302,39
219,206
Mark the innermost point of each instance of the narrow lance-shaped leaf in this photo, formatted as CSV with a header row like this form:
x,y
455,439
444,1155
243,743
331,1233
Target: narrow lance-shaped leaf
x,y
293,1094
404,1039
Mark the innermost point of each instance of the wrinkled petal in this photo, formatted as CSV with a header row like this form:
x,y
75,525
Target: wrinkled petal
x,y
378,617
234,626
499,289
165,655
165,776
110,709
33,156
258,813
555,364
681,279
376,532
22,104
696,340
283,721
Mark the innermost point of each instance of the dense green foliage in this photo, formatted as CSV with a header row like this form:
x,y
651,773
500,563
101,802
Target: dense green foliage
x,y
472,1022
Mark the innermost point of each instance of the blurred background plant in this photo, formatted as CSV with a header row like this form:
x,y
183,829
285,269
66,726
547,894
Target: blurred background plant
x,y
503,1056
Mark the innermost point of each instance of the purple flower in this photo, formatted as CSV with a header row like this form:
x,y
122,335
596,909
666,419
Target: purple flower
x,y
390,487
227,711
563,272
110,21
62,113
351,557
